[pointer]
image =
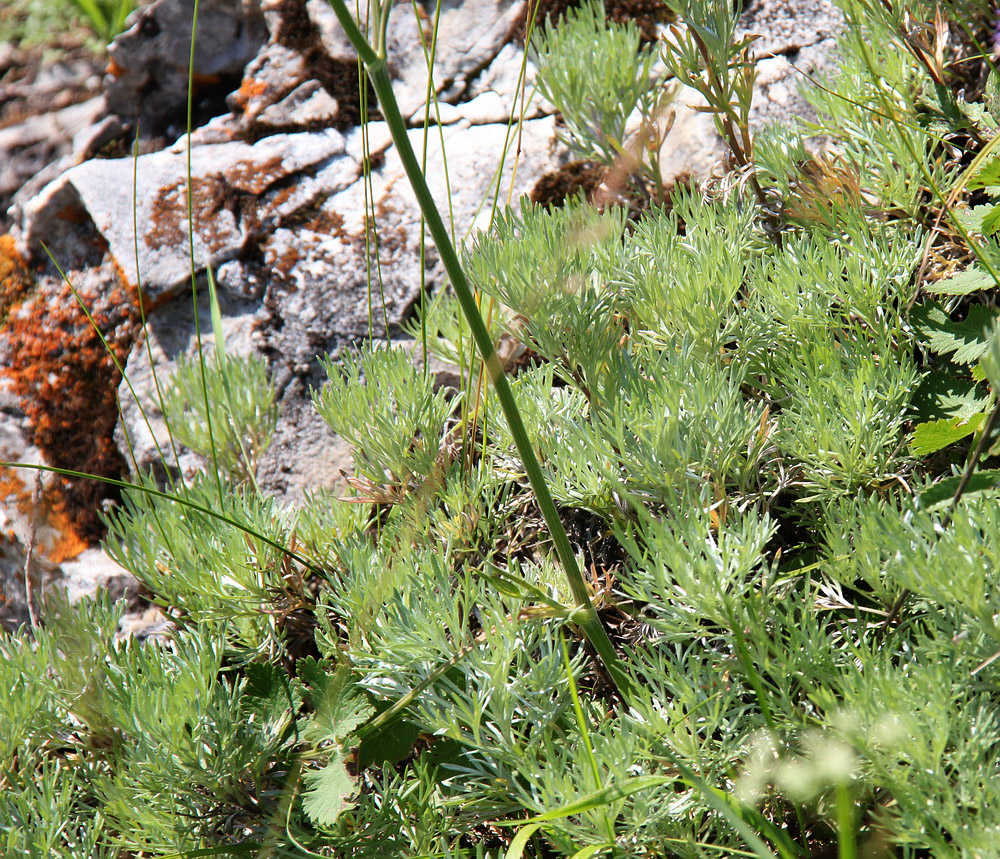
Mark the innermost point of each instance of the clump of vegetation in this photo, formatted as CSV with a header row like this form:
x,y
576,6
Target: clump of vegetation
x,y
765,414
43,23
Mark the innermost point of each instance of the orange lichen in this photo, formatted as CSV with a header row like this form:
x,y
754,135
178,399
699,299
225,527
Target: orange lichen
x,y
168,217
67,383
55,534
15,279
311,227
115,70
249,89
255,177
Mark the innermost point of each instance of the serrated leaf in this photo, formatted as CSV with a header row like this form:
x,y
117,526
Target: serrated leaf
x,y
965,282
935,435
389,745
991,96
976,114
328,791
312,673
966,341
940,494
988,174
269,696
340,708
972,219
991,221
943,395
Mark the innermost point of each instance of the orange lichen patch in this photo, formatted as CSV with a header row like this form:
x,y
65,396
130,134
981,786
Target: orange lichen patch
x,y
15,279
67,384
168,218
249,89
255,177
55,534
311,227
291,255
115,70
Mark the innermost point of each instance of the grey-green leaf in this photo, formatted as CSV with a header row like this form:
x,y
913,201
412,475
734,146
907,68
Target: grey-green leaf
x,y
329,790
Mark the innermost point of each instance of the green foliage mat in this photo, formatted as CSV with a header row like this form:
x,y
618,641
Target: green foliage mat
x,y
765,411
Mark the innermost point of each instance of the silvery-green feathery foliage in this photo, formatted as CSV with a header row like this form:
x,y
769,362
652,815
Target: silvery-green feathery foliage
x,y
766,410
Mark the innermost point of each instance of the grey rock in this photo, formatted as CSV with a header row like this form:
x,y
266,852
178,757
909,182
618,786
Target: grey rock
x,y
692,148
304,455
796,38
240,191
29,146
148,77
14,591
9,56
471,34
93,572
331,288
270,76
787,26
474,33
307,106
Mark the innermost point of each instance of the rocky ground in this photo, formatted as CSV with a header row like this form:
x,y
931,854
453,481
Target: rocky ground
x,y
282,214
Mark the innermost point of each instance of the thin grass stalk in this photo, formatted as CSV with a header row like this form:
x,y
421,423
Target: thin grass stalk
x,y
585,616
142,312
176,499
194,270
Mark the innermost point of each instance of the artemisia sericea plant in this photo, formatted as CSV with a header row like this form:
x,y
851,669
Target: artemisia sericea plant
x,y
374,58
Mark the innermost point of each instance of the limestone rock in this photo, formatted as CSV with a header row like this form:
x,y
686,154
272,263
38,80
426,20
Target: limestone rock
x,y
330,288
42,142
471,34
240,192
323,283
796,38
148,70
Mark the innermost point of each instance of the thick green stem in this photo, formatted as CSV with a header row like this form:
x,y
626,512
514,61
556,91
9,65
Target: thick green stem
x,y
586,616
